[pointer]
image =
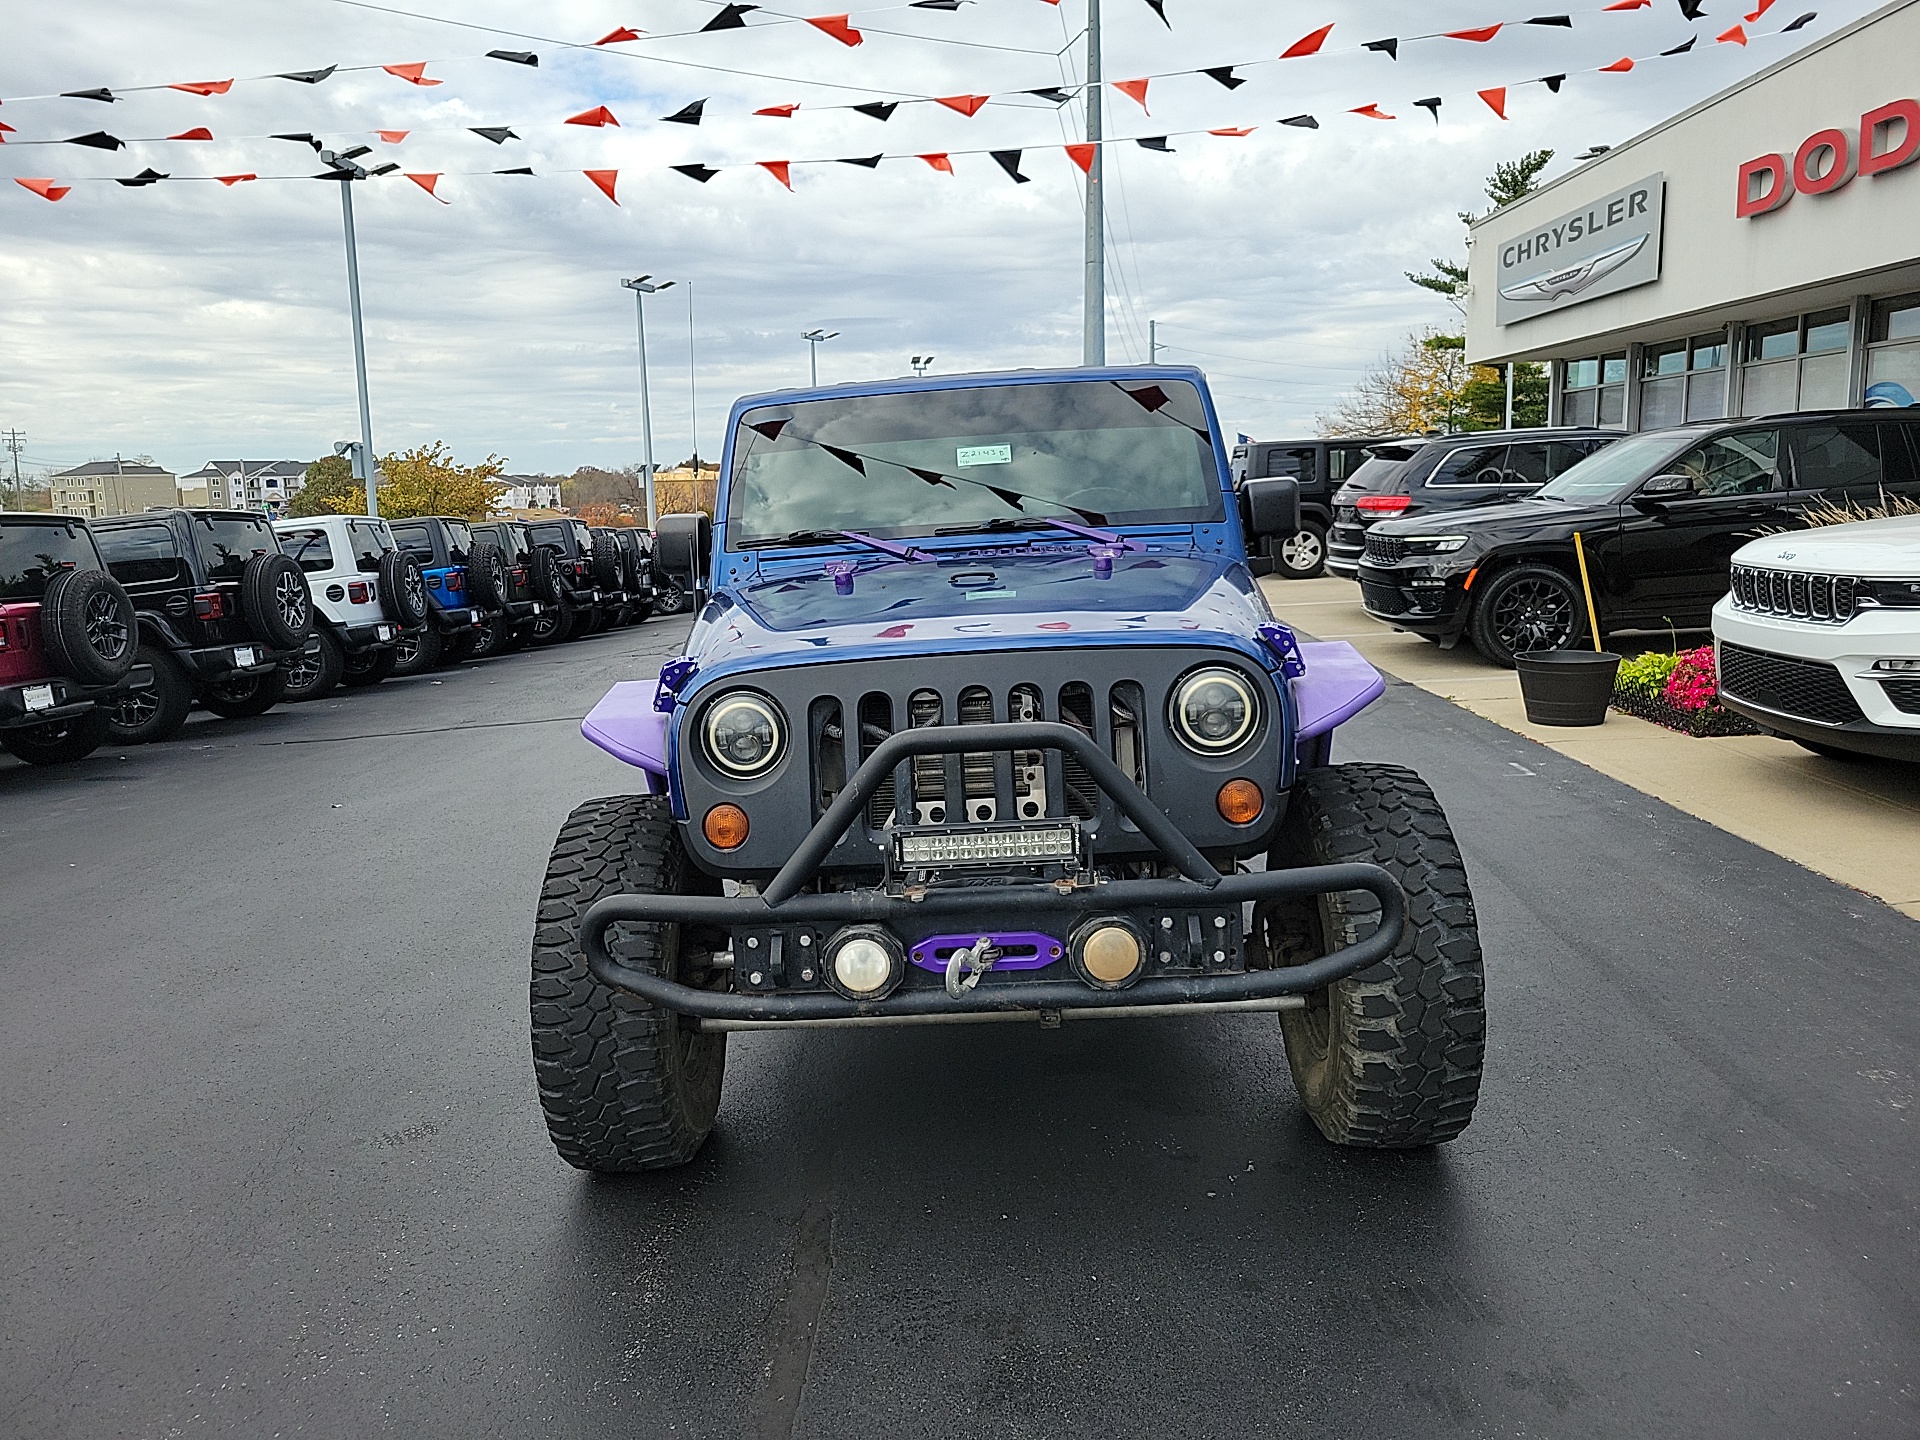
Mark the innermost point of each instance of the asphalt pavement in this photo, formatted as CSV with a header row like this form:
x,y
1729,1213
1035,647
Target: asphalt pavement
x,y
271,1161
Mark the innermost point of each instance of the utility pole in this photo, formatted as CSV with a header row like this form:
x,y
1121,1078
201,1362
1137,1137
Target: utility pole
x,y
693,393
1094,339
348,173
16,442
644,286
1153,342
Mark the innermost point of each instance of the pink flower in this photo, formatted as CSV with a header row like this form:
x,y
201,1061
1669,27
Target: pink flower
x,y
1693,685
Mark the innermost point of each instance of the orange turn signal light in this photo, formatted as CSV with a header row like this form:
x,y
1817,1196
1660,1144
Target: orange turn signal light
x,y
725,827
1240,802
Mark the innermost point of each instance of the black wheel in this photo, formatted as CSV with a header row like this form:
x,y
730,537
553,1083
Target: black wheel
x,y
513,639
58,742
419,652
544,565
590,621
670,597
403,589
275,600
604,560
88,627
311,676
369,667
625,1086
1530,607
1301,555
1389,1058
487,639
487,575
142,717
241,697
550,626
642,611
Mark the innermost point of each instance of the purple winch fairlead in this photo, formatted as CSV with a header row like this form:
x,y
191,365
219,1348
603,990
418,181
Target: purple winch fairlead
x,y
1020,950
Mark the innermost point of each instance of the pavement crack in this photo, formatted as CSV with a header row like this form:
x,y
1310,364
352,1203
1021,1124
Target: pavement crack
x,y
775,1414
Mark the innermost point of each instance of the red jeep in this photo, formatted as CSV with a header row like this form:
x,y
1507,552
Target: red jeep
x,y
67,639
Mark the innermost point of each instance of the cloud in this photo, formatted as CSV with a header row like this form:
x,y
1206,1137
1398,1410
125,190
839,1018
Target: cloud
x,y
192,320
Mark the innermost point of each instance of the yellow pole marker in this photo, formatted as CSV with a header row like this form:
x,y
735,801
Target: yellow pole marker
x,y
1586,588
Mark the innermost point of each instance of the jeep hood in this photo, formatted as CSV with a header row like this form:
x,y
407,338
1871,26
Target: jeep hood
x,y
1884,549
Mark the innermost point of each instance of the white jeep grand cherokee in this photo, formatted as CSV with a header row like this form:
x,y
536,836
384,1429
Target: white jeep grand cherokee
x,y
1819,638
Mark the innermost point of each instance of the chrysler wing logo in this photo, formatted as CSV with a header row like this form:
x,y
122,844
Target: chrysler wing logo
x,y
1576,278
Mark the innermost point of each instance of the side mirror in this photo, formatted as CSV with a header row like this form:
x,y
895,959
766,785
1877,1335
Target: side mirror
x,y
681,546
1271,507
1662,488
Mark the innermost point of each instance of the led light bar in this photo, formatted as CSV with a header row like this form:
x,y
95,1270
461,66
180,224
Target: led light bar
x,y
1024,845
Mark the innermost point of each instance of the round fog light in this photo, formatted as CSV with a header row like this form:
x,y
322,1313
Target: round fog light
x,y
1240,802
864,962
725,827
1108,953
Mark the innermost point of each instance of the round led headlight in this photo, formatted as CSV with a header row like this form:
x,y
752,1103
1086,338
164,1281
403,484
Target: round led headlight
x,y
1214,710
744,734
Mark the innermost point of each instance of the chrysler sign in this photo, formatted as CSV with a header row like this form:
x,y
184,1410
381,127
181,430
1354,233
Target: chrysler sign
x,y
1603,248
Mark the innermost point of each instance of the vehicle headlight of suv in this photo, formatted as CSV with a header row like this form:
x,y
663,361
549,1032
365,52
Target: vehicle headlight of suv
x,y
1432,544
1215,710
744,734
1892,594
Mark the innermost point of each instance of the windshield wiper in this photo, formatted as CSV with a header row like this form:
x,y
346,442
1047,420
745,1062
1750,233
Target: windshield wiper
x,y
831,537
1002,523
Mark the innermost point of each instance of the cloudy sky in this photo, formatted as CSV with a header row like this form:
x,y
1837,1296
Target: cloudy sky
x,y
192,321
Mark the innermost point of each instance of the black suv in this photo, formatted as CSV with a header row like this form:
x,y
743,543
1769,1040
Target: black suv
x,y
1449,472
456,614
1319,467
68,637
524,587
1658,516
576,610
223,613
630,600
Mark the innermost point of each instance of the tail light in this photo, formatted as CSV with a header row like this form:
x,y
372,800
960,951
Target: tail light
x,y
209,605
1382,504
455,580
519,574
357,591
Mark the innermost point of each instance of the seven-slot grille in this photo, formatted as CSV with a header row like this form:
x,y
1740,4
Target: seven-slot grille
x,y
1385,549
1810,689
1794,594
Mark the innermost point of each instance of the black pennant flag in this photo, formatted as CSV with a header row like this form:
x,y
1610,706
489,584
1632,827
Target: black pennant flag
x,y
98,140
846,457
932,477
1389,47
1682,49
498,134
1692,9
1224,74
1565,22
879,109
770,428
516,170
515,57
145,177
1008,497
686,114
1159,7
1009,161
701,173
301,139
866,162
729,18
102,94
307,77
1432,105
1155,142
1052,96
1553,82
1303,122
1806,19
933,4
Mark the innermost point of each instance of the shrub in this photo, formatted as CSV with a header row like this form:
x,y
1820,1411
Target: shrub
x,y
1646,674
1693,685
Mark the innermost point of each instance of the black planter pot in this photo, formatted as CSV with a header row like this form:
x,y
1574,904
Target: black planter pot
x,y
1567,687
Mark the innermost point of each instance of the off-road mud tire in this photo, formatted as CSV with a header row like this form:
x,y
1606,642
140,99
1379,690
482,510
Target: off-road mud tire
x,y
276,602
543,568
625,1086
367,668
1389,1058
487,575
88,627
403,589
58,742
604,558
146,717
241,697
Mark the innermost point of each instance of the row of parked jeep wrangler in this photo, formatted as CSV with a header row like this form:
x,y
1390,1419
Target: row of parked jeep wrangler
x,y
113,632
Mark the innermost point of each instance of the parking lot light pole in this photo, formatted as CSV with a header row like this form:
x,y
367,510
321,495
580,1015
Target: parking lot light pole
x,y
349,172
921,364
815,338
1094,321
644,286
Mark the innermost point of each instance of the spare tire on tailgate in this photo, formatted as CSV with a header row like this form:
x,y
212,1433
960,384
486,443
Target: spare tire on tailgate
x,y
403,589
606,562
487,575
88,627
275,600
545,564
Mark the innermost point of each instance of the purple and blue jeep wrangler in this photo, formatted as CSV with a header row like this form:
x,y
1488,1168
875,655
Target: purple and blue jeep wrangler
x,y
983,717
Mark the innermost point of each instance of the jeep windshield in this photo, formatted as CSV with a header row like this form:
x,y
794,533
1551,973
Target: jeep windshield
x,y
1611,474
227,542
1093,452
33,553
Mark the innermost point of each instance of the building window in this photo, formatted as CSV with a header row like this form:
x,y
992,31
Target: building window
x,y
1798,363
1683,380
1594,392
1893,353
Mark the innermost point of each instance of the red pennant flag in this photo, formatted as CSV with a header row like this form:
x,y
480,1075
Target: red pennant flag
x,y
413,74
780,112
1307,44
605,179
1082,155
1372,112
1759,10
1232,130
1483,34
199,132
427,182
618,37
45,189
1496,99
232,180
204,87
779,170
1628,5
965,104
6,130
836,26
393,137
599,115
1135,90
1736,36
1618,67
939,160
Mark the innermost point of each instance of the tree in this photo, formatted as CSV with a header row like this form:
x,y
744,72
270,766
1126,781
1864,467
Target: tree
x,y
1510,180
590,485
1414,389
330,489
423,481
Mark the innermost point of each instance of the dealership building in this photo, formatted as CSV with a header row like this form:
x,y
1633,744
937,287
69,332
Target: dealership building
x,y
1757,253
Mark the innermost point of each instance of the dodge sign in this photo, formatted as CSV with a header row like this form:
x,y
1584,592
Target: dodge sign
x,y
1600,249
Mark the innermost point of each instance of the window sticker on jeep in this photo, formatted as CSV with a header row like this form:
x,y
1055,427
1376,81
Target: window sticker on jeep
x,y
984,455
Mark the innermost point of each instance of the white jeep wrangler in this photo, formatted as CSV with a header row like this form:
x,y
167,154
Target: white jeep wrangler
x,y
367,593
